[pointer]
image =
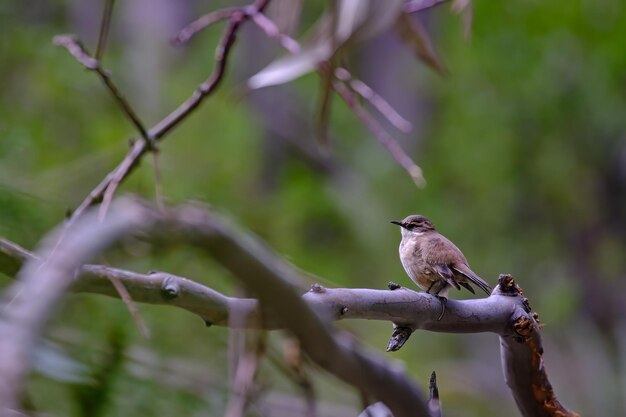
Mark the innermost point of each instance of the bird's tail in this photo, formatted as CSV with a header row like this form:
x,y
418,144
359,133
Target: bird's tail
x,y
475,279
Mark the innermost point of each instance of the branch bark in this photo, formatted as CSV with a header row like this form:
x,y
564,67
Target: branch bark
x,y
505,312
29,302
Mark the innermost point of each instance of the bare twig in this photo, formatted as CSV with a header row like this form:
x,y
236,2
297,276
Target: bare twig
x,y
79,52
324,103
381,134
387,140
157,132
375,100
202,23
464,8
158,184
419,5
434,405
297,374
105,24
132,307
413,33
272,31
245,373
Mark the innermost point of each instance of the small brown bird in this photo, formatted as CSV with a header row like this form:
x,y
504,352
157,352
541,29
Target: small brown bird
x,y
433,262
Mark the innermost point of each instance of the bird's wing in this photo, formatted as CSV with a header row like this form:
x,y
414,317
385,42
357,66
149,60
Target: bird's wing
x,y
446,273
467,272
441,251
467,287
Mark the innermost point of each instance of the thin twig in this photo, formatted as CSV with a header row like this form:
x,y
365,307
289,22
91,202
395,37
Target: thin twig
x,y
105,24
324,103
300,378
375,100
272,31
202,23
247,367
381,134
132,307
79,52
293,47
158,184
158,131
419,5
385,138
434,404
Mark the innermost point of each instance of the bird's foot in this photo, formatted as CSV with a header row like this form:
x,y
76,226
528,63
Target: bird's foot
x,y
443,301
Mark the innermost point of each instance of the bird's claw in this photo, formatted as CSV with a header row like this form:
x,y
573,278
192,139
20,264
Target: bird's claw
x,y
443,301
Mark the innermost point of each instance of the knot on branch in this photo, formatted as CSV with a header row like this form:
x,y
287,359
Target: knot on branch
x,y
77,50
317,289
508,286
523,327
399,336
393,286
170,287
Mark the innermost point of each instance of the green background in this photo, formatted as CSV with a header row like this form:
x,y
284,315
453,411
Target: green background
x,y
522,145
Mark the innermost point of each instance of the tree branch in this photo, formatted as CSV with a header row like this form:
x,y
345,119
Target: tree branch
x,y
403,306
158,131
105,24
343,75
78,51
505,312
30,300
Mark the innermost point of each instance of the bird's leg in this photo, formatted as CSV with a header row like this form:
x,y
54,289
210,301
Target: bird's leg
x,y
443,301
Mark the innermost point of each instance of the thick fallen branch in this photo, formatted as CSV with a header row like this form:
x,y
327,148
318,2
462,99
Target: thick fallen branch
x,y
505,312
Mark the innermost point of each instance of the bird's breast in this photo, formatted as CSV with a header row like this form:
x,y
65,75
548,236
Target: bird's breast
x,y
414,264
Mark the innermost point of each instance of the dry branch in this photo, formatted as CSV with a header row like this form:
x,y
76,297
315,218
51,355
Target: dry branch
x,y
343,75
505,312
236,18
255,265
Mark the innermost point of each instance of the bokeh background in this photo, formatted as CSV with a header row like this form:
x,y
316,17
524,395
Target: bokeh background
x,y
523,146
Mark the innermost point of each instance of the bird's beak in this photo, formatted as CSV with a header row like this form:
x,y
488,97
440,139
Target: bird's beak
x,y
398,223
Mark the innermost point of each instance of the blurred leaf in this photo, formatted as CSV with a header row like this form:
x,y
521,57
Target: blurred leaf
x,y
349,15
323,106
464,9
52,361
285,14
413,33
291,67
352,21
381,15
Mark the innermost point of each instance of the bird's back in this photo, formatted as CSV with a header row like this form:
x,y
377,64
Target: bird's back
x,y
438,249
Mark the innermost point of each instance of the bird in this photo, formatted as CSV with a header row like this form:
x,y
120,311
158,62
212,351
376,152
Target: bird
x,y
433,262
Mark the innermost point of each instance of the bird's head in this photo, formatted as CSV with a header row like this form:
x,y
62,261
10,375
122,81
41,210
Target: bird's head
x,y
415,224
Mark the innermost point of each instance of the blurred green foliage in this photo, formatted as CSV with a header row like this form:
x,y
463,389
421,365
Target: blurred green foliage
x,y
523,151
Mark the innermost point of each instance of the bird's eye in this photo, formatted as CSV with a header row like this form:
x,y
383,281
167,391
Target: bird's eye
x,y
412,226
